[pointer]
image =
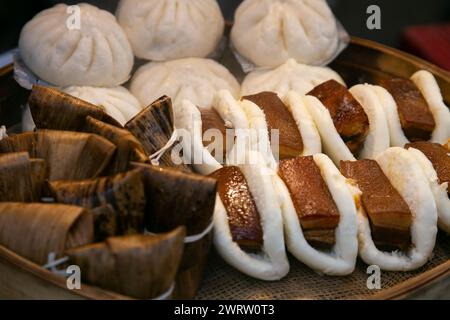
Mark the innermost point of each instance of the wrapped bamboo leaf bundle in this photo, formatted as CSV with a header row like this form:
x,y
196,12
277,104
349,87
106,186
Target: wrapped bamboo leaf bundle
x,y
124,193
105,222
154,128
138,266
55,110
21,178
39,173
69,155
36,230
25,142
129,149
175,198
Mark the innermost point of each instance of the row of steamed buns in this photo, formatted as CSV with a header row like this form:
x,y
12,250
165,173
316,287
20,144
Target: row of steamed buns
x,y
93,58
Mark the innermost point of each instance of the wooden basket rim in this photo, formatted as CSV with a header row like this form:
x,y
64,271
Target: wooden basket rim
x,y
414,60
398,291
86,291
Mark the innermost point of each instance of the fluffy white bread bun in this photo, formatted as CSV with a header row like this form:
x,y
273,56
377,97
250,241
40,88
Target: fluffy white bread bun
x,y
440,191
290,76
342,258
3,134
95,54
396,135
377,139
260,140
272,262
162,30
429,88
188,123
268,32
305,123
333,145
27,120
193,79
118,102
407,177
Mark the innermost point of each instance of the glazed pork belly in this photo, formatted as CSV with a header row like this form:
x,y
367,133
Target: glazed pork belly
x,y
278,117
212,120
438,156
243,215
389,215
313,202
415,117
348,115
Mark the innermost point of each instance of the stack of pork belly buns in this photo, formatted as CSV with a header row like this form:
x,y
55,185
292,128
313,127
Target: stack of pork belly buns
x,y
349,171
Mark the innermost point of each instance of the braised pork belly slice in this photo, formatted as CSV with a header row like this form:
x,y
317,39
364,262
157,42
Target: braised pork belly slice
x,y
313,202
415,117
438,156
212,120
278,117
243,215
320,238
389,215
348,115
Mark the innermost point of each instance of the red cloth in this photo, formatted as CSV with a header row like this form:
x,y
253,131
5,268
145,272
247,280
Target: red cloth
x,y
431,43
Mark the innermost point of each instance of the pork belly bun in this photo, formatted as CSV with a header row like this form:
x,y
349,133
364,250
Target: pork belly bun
x,y
351,123
415,109
397,217
285,119
435,162
198,141
319,214
248,224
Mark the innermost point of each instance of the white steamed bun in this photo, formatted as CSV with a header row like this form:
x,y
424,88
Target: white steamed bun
x,y
193,79
96,54
171,29
290,76
268,32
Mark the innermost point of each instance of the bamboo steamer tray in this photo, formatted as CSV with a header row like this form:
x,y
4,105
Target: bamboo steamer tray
x,y
363,61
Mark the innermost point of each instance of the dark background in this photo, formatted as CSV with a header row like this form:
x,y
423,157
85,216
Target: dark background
x,y
396,16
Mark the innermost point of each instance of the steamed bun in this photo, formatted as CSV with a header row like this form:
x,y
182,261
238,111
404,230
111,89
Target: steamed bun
x,y
95,54
268,32
171,29
118,102
194,79
291,76
3,132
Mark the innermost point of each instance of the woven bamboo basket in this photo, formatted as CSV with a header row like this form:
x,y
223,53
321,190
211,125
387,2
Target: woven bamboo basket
x,y
363,61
